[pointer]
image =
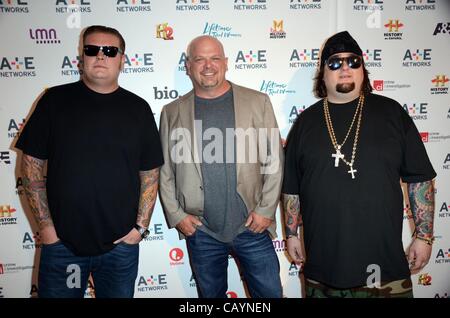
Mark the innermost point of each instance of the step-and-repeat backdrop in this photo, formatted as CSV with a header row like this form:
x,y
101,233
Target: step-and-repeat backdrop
x,y
272,46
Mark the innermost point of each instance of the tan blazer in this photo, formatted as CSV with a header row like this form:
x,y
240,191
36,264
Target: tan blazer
x,y
180,181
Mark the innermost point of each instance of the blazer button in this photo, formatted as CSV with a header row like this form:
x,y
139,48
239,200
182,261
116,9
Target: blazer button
x,y
201,188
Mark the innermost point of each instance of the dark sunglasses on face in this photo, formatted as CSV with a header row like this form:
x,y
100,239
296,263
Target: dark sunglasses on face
x,y
335,63
109,51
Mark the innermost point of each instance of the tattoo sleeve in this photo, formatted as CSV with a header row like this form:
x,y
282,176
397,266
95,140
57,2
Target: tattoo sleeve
x,y
421,199
35,190
149,191
291,207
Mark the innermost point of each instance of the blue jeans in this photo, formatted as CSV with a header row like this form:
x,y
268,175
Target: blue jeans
x,y
257,259
63,274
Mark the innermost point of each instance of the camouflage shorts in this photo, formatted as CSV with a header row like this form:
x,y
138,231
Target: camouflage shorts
x,y
395,289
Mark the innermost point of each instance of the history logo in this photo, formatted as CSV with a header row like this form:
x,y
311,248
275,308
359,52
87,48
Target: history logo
x,y
164,31
7,215
393,27
440,83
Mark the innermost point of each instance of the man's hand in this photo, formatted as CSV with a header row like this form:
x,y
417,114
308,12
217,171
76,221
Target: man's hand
x,y
294,248
133,237
418,255
257,223
188,225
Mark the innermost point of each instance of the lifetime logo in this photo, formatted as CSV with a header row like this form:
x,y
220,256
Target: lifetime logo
x,y
176,256
44,36
164,31
232,294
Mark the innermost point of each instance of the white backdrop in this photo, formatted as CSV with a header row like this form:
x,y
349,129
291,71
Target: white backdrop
x,y
272,46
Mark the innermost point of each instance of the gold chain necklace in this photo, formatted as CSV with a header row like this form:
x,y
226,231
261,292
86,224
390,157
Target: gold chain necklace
x,y
338,155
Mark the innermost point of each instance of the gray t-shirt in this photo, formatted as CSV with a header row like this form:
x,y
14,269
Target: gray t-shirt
x,y
225,212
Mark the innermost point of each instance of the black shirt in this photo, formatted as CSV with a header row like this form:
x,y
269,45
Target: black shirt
x,y
95,145
350,224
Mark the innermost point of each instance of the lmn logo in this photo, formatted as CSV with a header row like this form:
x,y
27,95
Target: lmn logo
x,y
44,36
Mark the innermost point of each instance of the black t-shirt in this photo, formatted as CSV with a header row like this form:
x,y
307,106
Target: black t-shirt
x,y
95,145
350,224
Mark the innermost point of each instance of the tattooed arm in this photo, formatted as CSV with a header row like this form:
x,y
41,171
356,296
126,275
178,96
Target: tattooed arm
x,y
291,207
149,191
36,193
421,199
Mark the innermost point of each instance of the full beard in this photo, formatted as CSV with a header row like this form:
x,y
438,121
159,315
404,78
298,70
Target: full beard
x,y
345,87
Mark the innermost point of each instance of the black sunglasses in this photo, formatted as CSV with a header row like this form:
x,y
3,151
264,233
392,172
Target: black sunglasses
x,y
109,51
335,63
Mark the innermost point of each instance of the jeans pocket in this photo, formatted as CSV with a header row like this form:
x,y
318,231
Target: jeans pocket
x,y
128,244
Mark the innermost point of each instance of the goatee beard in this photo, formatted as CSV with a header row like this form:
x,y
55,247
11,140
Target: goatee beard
x,y
345,88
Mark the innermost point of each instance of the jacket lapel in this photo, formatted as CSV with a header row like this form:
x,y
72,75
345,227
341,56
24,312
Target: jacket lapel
x,y
187,118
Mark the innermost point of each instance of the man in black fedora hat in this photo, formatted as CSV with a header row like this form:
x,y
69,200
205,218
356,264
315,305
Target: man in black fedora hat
x,y
345,158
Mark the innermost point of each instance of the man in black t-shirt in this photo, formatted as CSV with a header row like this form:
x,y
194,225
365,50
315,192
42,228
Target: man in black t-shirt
x,y
102,150
345,158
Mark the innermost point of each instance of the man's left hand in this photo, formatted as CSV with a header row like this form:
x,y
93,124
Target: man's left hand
x,y
133,237
257,223
419,255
